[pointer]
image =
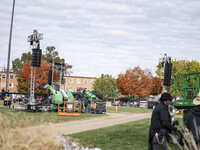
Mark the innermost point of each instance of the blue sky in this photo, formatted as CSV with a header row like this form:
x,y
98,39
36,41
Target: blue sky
x,y
104,37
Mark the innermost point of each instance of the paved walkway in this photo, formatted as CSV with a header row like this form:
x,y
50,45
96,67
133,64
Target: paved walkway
x,y
93,123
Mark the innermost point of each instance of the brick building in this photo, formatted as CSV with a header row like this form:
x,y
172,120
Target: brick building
x,y
71,82
12,86
75,82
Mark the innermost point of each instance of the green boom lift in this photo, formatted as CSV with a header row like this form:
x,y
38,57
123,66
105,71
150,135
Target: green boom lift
x,y
186,86
96,105
57,96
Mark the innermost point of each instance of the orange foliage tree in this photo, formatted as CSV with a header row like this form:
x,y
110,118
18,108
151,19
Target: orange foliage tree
x,y
157,86
41,76
135,82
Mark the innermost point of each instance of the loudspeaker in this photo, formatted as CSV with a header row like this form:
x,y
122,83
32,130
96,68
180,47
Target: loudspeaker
x,y
50,77
36,57
167,74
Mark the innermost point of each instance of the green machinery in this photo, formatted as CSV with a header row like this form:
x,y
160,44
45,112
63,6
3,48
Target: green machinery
x,y
90,96
58,96
96,104
70,96
186,86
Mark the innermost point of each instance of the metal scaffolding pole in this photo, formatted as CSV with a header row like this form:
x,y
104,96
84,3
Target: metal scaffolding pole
x,y
32,86
9,47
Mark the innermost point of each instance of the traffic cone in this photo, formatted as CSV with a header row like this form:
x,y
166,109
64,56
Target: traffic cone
x,y
116,109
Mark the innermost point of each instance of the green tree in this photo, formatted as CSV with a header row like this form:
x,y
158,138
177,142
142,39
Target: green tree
x,y
105,85
18,63
179,67
49,54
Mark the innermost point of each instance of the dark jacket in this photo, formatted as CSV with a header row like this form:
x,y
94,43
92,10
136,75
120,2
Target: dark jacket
x,y
194,114
160,119
86,102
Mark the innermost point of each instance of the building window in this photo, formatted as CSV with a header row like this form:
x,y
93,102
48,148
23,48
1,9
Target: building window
x,y
3,84
92,81
85,81
11,85
3,76
71,80
78,81
71,88
11,76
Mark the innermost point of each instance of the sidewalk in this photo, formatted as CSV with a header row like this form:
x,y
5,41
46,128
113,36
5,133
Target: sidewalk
x,y
92,123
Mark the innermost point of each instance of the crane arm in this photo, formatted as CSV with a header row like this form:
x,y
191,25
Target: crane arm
x,y
47,86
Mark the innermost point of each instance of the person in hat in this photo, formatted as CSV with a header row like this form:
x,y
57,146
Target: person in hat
x,y
194,118
86,104
161,124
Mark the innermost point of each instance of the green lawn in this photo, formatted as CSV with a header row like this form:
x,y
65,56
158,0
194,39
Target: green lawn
x,y
129,136
18,118
129,109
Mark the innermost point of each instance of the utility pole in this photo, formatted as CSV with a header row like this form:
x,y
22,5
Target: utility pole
x,y
102,77
9,47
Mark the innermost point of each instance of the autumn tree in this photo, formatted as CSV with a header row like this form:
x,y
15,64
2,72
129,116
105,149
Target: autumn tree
x,y
105,85
41,76
135,82
156,86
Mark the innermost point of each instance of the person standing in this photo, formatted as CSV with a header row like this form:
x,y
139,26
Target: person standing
x,y
161,124
194,118
86,103
2,94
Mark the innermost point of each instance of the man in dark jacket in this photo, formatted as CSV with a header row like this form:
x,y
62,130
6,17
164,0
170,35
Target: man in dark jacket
x,y
86,104
194,117
161,124
2,94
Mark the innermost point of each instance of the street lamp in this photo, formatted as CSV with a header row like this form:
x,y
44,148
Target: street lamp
x,y
102,77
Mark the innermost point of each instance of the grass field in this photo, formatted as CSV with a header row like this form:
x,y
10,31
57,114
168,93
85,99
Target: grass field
x,y
19,118
129,109
129,136
11,137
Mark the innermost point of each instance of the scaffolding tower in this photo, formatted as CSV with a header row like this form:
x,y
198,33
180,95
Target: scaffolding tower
x,y
34,40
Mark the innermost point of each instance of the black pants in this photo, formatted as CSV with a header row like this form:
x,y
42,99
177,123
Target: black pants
x,y
86,109
156,144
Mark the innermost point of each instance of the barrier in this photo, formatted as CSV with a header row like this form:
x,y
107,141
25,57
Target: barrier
x,y
69,108
98,107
